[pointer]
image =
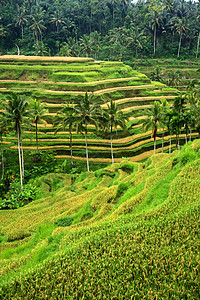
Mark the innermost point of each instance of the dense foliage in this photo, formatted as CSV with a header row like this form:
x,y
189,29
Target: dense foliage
x,y
111,29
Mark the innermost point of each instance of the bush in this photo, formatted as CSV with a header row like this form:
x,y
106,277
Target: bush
x,y
16,198
63,222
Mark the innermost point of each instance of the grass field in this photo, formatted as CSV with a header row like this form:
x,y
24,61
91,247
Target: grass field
x,y
128,231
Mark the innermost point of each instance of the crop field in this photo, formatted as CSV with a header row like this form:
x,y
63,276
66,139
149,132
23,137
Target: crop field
x,y
59,80
128,231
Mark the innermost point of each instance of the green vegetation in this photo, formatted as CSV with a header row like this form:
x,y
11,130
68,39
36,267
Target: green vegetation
x,y
104,29
102,233
132,92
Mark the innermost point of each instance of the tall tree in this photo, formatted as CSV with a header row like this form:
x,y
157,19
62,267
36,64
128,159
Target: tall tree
x,y
15,111
57,19
88,111
66,117
181,25
37,23
37,114
153,120
113,119
155,22
21,18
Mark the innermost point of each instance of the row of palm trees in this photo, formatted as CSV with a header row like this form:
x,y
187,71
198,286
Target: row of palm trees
x,y
184,114
86,111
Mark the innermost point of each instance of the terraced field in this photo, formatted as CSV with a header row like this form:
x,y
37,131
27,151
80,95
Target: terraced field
x,y
128,231
189,69
56,81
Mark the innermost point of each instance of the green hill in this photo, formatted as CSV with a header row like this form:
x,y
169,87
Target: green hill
x,y
128,231
57,80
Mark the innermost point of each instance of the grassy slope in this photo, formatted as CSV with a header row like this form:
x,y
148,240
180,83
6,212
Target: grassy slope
x,y
134,233
58,81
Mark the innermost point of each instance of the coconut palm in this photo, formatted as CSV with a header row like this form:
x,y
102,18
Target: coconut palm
x,y
195,113
15,111
37,25
37,113
21,19
86,44
154,23
163,121
66,117
153,120
88,111
113,119
181,26
3,131
134,39
57,19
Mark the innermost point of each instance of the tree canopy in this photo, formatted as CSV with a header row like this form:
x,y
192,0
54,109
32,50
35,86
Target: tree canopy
x,y
104,29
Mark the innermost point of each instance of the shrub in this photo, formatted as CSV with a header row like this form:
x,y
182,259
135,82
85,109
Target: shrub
x,y
16,198
63,222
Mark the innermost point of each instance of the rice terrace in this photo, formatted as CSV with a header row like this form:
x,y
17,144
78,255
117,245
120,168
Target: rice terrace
x,y
100,150
123,230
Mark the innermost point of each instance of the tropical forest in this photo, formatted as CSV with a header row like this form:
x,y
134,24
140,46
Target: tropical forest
x,y
99,149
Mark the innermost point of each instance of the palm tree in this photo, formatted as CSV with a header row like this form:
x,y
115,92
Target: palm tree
x,y
21,18
134,39
168,118
86,44
88,111
3,131
154,23
181,25
66,117
15,111
153,120
164,109
37,24
195,113
113,118
37,113
57,19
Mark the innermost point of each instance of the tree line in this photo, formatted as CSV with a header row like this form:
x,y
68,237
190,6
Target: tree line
x,y
182,115
103,29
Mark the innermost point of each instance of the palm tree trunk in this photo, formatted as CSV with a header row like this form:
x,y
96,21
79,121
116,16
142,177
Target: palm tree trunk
x,y
163,141
36,135
18,50
22,32
2,161
111,145
155,145
2,164
70,139
179,46
170,144
154,43
186,138
20,161
198,45
178,142
88,168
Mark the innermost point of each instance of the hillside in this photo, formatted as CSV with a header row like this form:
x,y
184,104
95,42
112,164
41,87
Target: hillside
x,y
59,80
187,70
128,231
